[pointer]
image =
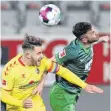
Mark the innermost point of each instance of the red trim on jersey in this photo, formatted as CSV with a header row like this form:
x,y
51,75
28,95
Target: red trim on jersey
x,y
10,65
31,82
7,68
19,59
3,82
14,62
5,73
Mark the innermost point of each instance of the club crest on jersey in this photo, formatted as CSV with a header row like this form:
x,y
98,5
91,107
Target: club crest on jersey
x,y
37,71
23,76
62,54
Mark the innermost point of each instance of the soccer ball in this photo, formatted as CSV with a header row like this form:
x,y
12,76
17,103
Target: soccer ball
x,y
50,15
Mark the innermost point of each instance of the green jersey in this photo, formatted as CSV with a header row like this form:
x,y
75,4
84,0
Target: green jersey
x,y
77,59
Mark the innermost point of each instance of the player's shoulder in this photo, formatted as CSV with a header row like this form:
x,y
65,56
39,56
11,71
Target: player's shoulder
x,y
11,65
45,62
72,47
73,44
44,59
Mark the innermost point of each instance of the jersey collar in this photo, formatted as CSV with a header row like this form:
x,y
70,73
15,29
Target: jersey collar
x,y
19,59
82,47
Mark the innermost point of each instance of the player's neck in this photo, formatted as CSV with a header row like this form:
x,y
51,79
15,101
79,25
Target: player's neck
x,y
26,61
86,45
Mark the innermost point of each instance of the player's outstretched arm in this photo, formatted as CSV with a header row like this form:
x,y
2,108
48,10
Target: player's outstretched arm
x,y
71,77
93,89
65,73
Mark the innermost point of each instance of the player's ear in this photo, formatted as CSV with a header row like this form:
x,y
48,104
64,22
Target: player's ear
x,y
84,40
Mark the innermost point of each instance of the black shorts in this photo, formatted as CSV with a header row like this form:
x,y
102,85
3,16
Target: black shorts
x,y
3,106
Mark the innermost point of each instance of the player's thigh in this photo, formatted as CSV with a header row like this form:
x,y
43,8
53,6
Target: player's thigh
x,y
69,107
56,94
56,100
59,98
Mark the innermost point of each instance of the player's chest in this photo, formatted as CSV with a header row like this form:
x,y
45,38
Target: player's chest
x,y
81,61
25,75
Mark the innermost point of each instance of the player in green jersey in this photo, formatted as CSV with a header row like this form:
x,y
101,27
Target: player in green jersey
x,y
78,58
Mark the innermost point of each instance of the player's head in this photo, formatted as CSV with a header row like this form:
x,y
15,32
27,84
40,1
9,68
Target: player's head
x,y
85,32
32,48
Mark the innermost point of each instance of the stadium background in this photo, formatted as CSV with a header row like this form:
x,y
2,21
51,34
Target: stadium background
x,y
20,17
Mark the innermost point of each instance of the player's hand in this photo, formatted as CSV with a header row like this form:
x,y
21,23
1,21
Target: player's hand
x,y
27,103
38,89
104,39
93,89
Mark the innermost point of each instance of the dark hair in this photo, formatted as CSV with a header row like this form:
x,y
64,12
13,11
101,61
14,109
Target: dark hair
x,y
81,28
31,41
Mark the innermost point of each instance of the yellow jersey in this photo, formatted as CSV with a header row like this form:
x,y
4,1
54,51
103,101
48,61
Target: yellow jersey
x,y
20,80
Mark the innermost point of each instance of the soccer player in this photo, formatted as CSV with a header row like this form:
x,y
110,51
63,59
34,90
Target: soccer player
x,y
78,58
22,74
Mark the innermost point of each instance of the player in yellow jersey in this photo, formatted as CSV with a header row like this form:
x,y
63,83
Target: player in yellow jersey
x,y
23,73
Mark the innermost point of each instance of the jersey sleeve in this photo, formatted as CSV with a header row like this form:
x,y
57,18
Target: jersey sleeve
x,y
7,79
8,99
7,85
68,53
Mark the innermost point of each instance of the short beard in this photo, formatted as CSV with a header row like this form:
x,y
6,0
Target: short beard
x,y
33,62
92,41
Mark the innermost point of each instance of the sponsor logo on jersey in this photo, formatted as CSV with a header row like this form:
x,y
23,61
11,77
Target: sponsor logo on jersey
x,y
30,84
62,54
23,76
